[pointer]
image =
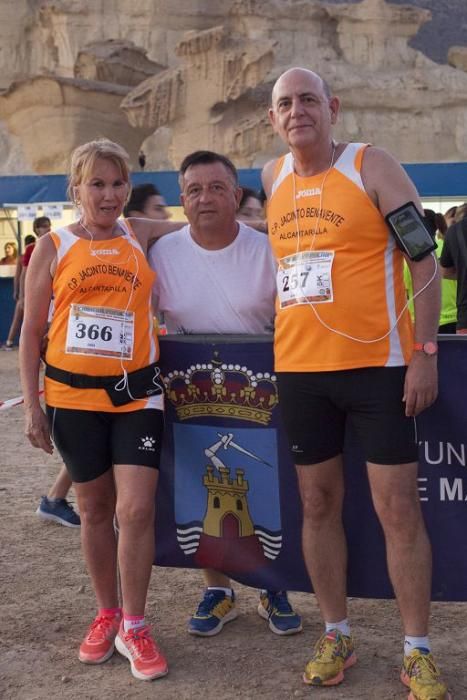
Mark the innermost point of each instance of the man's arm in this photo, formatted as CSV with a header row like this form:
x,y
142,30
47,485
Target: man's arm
x,y
258,224
386,181
267,176
153,261
421,384
389,187
148,231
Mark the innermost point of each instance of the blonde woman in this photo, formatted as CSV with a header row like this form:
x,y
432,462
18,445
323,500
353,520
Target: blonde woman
x,y
104,403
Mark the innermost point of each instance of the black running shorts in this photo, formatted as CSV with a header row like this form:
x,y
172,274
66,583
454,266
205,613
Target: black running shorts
x,y
316,405
91,442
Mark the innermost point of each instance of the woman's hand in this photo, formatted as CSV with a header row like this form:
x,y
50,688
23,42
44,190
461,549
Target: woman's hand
x,y
37,430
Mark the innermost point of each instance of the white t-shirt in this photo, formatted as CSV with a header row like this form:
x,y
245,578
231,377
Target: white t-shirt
x,y
231,290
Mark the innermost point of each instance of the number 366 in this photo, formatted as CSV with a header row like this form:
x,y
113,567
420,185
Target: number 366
x,y
93,332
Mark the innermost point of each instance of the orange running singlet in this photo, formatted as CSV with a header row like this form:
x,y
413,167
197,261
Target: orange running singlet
x,y
349,269
100,288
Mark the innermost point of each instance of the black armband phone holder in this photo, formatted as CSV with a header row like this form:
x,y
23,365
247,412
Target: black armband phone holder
x,y
411,231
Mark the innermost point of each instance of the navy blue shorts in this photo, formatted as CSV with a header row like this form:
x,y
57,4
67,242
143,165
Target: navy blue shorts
x,y
315,407
91,442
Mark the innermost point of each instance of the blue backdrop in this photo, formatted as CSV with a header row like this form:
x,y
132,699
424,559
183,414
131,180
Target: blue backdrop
x,y
228,494
430,179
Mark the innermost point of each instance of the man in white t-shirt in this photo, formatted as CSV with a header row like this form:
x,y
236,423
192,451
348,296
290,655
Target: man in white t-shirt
x,y
217,275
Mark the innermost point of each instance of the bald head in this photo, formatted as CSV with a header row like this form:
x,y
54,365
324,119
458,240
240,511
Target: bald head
x,y
303,111
306,76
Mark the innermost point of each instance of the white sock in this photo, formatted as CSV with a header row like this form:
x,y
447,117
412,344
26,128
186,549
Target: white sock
x,y
133,622
343,627
411,643
227,591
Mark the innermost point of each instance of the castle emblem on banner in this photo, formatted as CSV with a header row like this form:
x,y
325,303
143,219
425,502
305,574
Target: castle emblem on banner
x,y
222,390
226,534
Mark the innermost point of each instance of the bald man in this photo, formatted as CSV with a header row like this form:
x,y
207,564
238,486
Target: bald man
x,y
345,348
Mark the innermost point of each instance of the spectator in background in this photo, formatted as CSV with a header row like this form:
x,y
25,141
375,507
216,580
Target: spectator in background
x,y
142,159
251,206
448,316
18,273
11,254
461,213
147,202
41,225
251,210
448,313
450,216
454,264
18,312
53,507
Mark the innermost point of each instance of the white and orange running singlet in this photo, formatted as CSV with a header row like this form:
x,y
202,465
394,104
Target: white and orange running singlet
x,y
348,267
100,290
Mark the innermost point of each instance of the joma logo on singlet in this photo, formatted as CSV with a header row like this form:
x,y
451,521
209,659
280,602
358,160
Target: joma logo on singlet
x,y
308,193
109,251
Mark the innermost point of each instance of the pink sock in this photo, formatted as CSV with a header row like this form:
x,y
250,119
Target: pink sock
x,y
109,612
133,622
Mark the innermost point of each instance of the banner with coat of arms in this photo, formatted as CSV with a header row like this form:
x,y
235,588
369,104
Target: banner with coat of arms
x,y
228,496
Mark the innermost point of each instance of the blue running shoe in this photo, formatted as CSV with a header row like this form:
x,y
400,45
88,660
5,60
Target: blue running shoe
x,y
276,608
58,510
213,612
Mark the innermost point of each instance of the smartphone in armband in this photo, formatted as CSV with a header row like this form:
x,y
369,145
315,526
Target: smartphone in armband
x,y
409,229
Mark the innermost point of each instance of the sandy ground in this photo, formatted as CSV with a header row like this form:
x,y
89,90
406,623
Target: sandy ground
x,y
46,603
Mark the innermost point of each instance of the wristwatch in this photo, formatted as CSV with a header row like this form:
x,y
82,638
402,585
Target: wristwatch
x,y
429,348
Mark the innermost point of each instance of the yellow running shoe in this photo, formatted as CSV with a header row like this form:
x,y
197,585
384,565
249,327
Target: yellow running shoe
x,y
333,653
421,675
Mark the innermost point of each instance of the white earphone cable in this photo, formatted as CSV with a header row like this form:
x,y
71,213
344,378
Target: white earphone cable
x,y
310,303
122,384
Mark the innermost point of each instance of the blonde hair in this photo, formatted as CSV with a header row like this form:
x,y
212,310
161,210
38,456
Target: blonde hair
x,y
83,160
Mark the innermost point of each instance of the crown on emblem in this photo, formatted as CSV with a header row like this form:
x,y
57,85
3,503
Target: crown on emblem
x,y
219,389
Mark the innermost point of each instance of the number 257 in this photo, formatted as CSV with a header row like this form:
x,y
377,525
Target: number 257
x,y
291,282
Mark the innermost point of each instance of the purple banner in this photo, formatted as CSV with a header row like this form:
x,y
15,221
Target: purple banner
x,y
228,496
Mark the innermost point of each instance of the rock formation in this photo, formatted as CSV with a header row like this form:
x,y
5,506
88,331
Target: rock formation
x,y
391,94
457,57
114,61
202,101
46,117
173,76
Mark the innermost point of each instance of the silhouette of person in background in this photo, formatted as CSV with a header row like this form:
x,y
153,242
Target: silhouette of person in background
x,y
147,202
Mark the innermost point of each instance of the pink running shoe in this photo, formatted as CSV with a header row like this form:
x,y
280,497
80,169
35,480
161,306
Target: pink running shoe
x,y
99,642
147,661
